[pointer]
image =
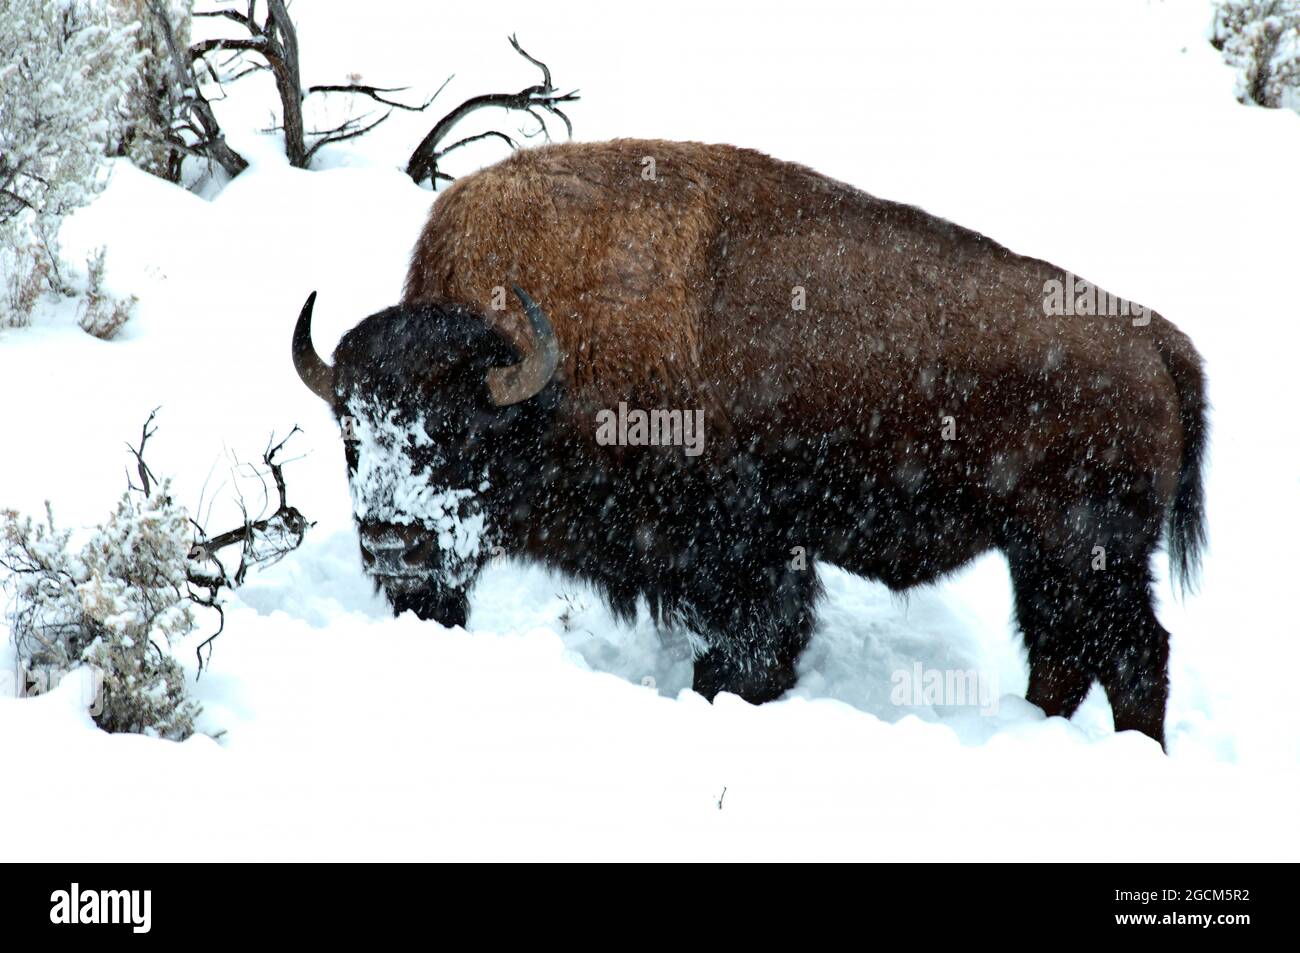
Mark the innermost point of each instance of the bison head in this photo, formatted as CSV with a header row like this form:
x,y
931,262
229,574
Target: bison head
x,y
438,417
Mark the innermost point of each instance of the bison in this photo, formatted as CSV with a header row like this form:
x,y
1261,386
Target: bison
x,y
879,389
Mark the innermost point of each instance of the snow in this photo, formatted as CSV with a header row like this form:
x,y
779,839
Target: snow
x,y
1101,135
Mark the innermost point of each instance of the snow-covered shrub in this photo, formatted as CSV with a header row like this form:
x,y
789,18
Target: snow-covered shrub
x,y
26,272
101,313
1261,38
115,606
155,102
65,73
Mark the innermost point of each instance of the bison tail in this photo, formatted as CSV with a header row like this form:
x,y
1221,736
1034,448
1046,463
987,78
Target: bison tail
x,y
1186,536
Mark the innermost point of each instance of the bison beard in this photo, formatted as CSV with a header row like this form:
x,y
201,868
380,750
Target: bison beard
x,y
882,391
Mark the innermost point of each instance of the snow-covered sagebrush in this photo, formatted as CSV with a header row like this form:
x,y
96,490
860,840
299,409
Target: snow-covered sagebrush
x,y
151,108
154,101
66,70
1261,38
115,606
101,314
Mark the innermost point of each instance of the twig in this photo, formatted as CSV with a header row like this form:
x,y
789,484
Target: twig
x,y
147,479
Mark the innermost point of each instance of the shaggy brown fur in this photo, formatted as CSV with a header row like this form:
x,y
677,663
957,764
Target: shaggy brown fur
x,y
826,425
679,289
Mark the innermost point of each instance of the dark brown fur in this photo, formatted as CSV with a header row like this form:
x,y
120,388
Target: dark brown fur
x,y
825,425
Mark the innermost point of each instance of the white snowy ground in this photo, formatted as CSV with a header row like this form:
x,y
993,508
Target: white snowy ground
x,y
1099,134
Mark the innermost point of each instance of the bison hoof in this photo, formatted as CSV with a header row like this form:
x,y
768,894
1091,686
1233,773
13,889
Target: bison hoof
x,y
713,675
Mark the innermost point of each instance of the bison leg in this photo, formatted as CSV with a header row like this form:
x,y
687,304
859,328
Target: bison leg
x,y
1058,684
1082,623
757,624
1059,674
1135,675
1132,652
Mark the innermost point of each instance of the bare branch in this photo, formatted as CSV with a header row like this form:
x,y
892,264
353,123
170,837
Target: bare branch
x,y
262,541
210,142
482,135
252,45
147,479
275,41
423,163
546,70
374,91
345,131
245,21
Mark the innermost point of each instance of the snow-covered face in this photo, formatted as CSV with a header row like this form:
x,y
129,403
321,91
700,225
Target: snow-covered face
x,y
418,500
439,443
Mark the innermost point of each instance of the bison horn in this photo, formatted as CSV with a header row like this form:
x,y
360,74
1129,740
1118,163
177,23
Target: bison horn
x,y
315,373
518,382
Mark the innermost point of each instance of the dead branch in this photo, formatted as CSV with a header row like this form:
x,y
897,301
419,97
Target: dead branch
x,y
543,96
198,118
374,93
210,603
147,479
350,129
274,39
244,20
262,541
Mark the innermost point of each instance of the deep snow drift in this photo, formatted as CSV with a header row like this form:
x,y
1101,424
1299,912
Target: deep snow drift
x,y
1102,136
